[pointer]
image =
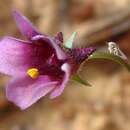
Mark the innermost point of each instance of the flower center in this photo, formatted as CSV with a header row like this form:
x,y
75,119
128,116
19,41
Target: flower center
x,y
33,73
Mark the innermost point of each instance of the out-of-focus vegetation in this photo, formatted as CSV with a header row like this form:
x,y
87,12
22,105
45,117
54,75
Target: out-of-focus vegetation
x,y
105,105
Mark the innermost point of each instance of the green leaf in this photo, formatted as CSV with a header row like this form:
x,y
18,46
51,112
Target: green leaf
x,y
109,56
70,41
78,79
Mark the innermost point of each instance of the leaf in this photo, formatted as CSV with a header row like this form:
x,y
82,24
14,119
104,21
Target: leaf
x,y
78,79
70,41
109,56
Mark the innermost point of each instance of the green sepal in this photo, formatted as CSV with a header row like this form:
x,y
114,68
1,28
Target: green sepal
x,y
70,41
109,56
78,79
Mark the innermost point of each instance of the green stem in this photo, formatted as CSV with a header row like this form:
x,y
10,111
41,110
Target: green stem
x,y
109,56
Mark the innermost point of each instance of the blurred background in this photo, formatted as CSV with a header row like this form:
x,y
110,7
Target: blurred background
x,y
105,105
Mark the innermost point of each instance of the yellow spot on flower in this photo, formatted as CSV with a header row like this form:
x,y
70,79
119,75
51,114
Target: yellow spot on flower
x,y
33,73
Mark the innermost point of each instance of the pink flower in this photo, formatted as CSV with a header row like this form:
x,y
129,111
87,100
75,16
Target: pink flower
x,y
38,66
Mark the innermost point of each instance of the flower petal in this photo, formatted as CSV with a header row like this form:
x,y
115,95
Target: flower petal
x,y
24,91
59,51
16,56
59,89
25,26
59,37
52,42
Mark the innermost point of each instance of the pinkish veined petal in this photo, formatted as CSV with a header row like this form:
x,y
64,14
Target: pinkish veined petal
x,y
16,56
25,91
59,37
25,26
37,38
59,89
60,53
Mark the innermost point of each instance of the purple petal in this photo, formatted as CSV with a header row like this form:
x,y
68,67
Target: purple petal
x,y
59,51
37,38
50,41
25,26
59,89
59,37
16,56
24,91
